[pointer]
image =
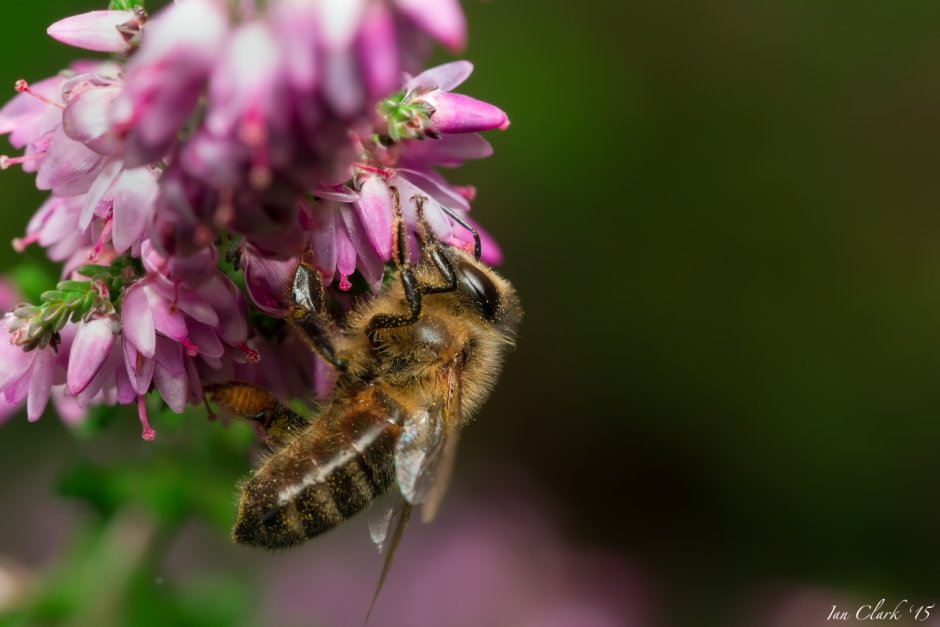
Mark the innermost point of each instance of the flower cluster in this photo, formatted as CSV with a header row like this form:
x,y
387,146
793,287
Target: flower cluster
x,y
188,172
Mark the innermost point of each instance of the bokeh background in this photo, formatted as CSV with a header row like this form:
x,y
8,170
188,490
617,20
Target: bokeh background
x,y
723,221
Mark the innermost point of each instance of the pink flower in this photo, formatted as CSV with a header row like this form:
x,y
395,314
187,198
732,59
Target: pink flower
x,y
28,375
86,118
30,118
124,199
91,346
453,113
252,124
102,31
55,228
341,244
267,279
164,78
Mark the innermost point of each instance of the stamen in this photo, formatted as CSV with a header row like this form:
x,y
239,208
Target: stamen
x,y
191,349
21,243
102,238
23,87
251,354
7,161
344,283
147,431
383,172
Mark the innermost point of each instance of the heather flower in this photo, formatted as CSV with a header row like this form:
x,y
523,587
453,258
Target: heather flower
x,y
265,279
92,344
55,228
85,118
261,131
124,199
27,375
425,106
30,118
102,31
164,78
341,244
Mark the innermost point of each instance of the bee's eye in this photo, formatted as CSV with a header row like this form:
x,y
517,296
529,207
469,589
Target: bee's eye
x,y
480,288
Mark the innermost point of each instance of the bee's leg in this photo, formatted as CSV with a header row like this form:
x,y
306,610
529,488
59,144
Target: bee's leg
x,y
435,252
477,248
409,281
307,314
259,407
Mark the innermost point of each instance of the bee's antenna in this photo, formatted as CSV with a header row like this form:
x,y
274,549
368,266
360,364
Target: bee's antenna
x,y
477,249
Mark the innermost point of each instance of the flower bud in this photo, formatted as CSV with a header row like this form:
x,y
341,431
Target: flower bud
x,y
101,31
92,344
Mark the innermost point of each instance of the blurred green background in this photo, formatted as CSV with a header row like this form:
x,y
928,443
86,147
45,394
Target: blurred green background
x,y
722,220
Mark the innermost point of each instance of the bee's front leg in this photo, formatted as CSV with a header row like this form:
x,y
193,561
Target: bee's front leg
x,y
307,312
406,274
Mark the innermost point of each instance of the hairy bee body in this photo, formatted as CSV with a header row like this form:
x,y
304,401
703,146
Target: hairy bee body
x,y
392,419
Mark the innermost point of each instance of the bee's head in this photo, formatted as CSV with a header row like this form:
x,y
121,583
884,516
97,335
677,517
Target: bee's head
x,y
481,290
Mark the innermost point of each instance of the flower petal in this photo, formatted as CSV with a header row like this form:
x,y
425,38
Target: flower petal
x,y
96,30
92,344
137,319
167,318
378,51
376,215
86,119
67,161
16,362
457,113
443,77
449,151
323,218
134,197
98,192
40,384
138,369
436,187
442,19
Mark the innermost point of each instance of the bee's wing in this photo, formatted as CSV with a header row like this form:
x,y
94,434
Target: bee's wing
x,y
427,446
379,531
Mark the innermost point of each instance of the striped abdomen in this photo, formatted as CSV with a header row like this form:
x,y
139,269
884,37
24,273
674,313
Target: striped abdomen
x,y
324,475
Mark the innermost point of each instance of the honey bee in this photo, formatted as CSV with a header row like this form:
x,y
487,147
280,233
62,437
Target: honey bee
x,y
414,364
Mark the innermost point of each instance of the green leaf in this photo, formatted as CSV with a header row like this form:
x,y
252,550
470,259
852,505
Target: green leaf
x,y
125,5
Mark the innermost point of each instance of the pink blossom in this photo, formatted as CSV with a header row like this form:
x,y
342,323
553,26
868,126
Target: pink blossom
x,y
453,113
253,128
102,31
28,375
164,78
91,346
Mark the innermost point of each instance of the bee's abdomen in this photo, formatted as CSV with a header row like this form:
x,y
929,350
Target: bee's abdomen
x,y
322,477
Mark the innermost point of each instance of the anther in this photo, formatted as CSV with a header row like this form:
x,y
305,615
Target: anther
x,y
23,87
344,283
21,243
147,431
7,161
